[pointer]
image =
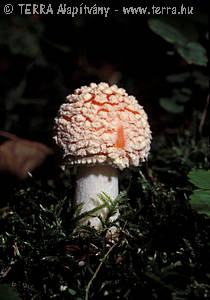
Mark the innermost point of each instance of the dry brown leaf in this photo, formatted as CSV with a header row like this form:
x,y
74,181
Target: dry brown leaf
x,y
19,156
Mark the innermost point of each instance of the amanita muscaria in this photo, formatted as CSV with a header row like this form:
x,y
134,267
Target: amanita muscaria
x,y
101,129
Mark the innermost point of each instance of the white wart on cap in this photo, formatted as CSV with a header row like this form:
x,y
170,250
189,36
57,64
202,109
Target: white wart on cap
x,y
101,125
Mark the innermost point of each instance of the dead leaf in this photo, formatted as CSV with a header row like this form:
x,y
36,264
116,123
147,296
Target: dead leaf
x,y
19,156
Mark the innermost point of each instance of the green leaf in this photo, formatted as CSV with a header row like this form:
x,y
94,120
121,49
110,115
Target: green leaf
x,y
200,201
171,106
72,292
90,212
8,293
184,39
174,104
181,77
193,53
201,79
200,178
25,43
186,91
21,35
167,31
180,96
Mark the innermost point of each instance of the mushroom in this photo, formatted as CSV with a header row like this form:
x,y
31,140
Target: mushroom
x,y
101,129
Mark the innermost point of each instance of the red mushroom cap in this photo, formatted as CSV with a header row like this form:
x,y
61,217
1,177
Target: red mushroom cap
x,y
101,124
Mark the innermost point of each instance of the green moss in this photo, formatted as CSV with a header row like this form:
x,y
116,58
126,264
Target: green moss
x,y
161,247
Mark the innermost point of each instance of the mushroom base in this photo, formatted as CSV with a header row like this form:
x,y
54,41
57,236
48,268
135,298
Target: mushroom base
x,y
90,182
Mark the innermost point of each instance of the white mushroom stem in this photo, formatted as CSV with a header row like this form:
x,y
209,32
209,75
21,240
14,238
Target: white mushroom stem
x,y
92,181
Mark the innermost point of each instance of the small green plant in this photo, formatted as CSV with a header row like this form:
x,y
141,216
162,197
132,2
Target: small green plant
x,y
200,199
183,36
111,205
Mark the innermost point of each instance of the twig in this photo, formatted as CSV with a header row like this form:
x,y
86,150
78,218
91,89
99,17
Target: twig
x,y
16,250
203,117
96,272
6,272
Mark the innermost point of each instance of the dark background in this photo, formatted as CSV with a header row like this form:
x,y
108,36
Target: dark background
x,y
44,58
163,242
